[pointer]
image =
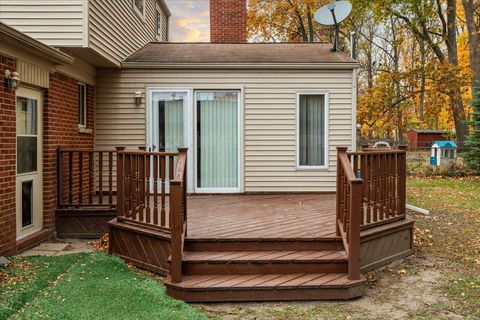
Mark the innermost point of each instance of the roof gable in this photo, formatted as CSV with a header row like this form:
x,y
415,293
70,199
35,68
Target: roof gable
x,y
445,144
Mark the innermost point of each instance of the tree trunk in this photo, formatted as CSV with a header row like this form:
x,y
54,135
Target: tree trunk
x,y
421,106
456,101
473,39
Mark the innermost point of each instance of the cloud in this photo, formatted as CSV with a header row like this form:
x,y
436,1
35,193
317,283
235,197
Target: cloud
x,y
190,20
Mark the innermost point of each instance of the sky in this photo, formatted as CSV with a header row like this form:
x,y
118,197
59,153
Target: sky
x,y
190,20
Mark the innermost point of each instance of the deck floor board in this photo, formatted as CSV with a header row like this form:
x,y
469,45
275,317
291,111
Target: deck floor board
x,y
261,216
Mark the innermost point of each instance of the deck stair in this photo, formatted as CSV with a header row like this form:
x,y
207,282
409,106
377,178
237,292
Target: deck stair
x,y
227,271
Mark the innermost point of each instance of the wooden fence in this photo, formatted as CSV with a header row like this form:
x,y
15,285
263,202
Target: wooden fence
x,y
85,178
371,187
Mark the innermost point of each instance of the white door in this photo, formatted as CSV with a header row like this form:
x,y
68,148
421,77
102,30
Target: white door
x,y
168,122
29,204
217,141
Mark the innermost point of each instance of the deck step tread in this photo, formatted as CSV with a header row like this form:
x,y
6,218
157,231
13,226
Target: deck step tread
x,y
265,281
263,256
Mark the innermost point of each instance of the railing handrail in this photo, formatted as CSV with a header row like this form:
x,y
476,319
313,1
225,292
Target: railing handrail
x,y
147,153
65,149
349,227
376,151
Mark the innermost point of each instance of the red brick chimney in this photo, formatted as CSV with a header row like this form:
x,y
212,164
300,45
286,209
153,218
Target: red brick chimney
x,y
228,21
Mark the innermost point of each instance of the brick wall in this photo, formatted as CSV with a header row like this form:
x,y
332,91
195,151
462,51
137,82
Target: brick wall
x,y
228,21
7,161
60,125
60,128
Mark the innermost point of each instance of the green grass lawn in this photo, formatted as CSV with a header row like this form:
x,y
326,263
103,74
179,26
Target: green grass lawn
x,y
84,286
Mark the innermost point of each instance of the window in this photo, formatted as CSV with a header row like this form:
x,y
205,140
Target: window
x,y
312,122
27,131
82,104
158,23
139,8
27,203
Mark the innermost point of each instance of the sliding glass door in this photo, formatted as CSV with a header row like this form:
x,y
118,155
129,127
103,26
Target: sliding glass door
x,y
167,117
168,129
217,141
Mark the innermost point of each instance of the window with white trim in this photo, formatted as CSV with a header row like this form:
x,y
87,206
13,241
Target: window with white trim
x,y
158,23
139,8
312,122
82,104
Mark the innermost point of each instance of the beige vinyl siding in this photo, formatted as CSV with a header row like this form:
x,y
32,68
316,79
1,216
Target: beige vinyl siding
x,y
269,117
164,26
53,22
116,30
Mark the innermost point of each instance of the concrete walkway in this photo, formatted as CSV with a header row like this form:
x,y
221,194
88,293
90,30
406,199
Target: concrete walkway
x,y
59,247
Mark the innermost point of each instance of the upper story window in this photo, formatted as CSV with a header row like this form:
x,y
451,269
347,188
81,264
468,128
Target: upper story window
x,y
158,23
139,8
82,104
312,141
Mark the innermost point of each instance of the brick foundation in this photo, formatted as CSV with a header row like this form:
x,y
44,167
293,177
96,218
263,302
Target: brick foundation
x,y
228,21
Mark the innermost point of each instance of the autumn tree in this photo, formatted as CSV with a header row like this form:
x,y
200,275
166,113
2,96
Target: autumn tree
x,y
472,156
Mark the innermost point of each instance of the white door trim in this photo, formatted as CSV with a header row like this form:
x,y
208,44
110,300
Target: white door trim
x,y
36,177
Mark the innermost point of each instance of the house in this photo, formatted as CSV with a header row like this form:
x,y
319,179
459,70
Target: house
x,y
424,138
133,126
58,49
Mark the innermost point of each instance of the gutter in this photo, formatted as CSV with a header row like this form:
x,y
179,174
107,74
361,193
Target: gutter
x,y
20,40
311,66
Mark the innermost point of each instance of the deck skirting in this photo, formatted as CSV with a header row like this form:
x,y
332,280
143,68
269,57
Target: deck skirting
x,y
83,223
145,248
384,244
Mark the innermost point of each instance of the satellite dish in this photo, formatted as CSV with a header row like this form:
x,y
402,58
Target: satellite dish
x,y
332,14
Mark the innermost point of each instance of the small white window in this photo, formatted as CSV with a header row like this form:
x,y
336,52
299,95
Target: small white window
x,y
82,104
139,8
158,23
312,131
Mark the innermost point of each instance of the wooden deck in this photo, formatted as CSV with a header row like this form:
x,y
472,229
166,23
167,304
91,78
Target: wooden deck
x,y
242,247
291,216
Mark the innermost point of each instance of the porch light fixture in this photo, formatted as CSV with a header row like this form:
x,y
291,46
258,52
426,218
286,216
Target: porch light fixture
x,y
138,97
12,78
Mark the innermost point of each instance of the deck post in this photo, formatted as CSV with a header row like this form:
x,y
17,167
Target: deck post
x,y
338,206
183,152
354,229
59,177
402,183
120,185
176,229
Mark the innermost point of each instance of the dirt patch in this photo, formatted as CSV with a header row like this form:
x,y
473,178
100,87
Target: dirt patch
x,y
404,289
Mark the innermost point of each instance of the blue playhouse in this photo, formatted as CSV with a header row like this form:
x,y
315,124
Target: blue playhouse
x,y
443,152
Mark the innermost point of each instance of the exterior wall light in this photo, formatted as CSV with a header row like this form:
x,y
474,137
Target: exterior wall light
x,y
12,78
138,97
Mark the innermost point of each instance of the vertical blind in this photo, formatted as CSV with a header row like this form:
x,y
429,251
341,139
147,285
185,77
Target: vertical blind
x,y
217,139
312,130
167,117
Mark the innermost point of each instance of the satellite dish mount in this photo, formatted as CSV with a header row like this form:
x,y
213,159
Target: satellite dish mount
x,y
332,14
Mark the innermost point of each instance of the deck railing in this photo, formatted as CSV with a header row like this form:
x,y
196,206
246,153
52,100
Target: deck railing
x,y
349,208
152,192
371,188
85,178
145,184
